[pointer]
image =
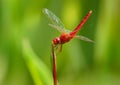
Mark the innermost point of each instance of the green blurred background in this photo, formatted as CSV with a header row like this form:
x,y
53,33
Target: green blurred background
x,y
25,43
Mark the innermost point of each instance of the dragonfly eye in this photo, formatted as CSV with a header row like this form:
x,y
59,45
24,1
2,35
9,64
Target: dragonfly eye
x,y
56,41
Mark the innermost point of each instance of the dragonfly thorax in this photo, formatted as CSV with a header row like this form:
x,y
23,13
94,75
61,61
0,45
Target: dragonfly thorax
x,y
56,41
65,37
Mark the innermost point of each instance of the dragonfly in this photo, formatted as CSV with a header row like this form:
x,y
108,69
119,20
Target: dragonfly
x,y
66,35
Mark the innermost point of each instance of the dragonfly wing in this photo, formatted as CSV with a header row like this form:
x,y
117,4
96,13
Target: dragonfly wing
x,y
84,38
57,27
54,19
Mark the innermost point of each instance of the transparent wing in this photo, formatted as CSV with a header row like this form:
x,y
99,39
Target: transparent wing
x,y
56,22
84,38
57,27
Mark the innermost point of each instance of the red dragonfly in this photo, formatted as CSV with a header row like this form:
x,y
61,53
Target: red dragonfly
x,y
66,35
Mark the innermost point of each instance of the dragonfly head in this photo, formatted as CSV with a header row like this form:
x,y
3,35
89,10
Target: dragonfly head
x,y
56,41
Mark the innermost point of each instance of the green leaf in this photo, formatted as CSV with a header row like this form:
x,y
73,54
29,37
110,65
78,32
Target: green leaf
x,y
39,71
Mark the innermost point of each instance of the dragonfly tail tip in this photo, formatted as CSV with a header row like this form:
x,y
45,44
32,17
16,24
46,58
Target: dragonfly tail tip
x,y
90,11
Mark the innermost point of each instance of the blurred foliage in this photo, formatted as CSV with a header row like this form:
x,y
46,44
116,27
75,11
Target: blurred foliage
x,y
25,43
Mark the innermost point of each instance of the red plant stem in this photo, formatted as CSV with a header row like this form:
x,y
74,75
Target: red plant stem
x,y
54,66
